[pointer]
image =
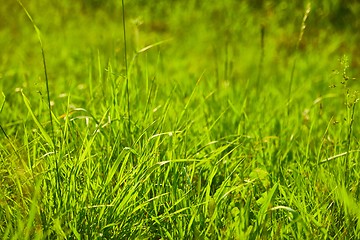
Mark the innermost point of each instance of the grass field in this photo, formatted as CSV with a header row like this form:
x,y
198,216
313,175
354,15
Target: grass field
x,y
213,120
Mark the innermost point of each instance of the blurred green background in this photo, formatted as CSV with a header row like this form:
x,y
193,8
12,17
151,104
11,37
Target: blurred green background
x,y
222,39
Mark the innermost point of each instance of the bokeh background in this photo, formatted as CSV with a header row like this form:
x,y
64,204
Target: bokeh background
x,y
203,36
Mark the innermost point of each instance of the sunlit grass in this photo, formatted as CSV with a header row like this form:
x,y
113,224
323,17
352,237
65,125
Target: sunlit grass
x,y
224,137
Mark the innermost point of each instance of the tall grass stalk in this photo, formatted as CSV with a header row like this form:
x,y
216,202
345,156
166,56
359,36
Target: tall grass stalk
x,y
351,100
302,30
262,54
37,30
126,67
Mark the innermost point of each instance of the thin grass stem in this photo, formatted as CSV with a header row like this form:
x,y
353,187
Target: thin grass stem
x,y
302,30
37,30
126,67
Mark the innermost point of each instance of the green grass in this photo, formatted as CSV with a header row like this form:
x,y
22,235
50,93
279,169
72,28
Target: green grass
x,y
230,120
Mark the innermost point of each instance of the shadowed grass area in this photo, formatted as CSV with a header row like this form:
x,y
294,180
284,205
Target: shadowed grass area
x,y
243,120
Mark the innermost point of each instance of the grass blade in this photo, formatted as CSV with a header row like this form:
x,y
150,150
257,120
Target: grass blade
x,y
44,134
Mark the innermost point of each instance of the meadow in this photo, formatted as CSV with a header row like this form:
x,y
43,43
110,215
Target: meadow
x,y
179,119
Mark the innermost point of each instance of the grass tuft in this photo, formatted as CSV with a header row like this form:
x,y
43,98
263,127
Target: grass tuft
x,y
197,139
